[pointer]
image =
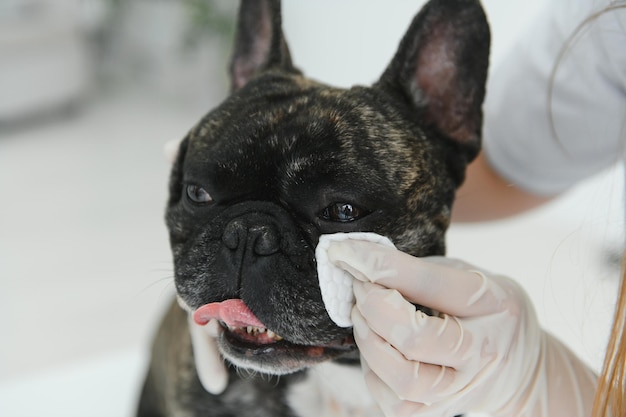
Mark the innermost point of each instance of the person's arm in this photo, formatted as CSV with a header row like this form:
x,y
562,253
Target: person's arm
x,y
485,195
554,113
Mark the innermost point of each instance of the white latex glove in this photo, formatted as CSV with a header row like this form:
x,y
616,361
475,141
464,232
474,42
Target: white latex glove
x,y
485,352
210,366
170,150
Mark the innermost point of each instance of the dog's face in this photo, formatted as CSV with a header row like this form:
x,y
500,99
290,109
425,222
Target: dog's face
x,y
285,159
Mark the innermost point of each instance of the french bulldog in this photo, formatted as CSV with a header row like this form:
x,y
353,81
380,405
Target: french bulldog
x,y
285,159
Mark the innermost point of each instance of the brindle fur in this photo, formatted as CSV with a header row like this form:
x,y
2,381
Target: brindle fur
x,y
278,151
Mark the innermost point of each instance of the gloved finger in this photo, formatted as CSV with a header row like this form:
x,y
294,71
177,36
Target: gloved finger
x,y
454,291
210,366
387,400
170,149
392,406
419,337
409,380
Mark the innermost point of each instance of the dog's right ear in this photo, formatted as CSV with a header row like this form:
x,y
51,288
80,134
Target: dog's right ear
x,y
259,43
441,68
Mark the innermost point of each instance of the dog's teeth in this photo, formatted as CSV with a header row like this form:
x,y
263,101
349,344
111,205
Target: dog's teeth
x,y
273,335
256,331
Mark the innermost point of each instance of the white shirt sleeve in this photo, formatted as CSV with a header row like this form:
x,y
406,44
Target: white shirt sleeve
x,y
546,144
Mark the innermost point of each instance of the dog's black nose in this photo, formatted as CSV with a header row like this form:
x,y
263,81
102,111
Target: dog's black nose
x,y
263,239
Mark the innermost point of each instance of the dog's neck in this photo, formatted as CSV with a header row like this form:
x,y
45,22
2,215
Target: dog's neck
x,y
332,390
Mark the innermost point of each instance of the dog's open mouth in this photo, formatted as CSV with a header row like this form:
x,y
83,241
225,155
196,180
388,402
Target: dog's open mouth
x,y
247,337
240,325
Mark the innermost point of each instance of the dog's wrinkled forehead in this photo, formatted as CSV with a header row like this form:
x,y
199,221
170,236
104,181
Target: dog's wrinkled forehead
x,y
278,124
293,125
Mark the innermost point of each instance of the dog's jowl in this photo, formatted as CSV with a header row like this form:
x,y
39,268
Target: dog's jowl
x,y
285,159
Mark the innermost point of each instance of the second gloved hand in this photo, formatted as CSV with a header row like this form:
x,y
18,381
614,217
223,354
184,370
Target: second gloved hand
x,y
484,352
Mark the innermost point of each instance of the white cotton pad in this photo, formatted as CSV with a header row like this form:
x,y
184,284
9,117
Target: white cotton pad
x,y
335,283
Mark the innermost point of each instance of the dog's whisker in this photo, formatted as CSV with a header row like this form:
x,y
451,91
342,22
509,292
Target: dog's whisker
x,y
168,280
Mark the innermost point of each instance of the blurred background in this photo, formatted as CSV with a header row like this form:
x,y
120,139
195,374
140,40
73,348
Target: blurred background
x,y
91,90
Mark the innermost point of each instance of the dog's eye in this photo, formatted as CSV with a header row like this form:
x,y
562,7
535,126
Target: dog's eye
x,y
342,212
198,194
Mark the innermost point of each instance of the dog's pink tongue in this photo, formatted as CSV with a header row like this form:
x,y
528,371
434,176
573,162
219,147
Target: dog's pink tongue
x,y
232,312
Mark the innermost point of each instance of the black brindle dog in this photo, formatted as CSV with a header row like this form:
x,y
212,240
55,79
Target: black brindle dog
x,y
285,159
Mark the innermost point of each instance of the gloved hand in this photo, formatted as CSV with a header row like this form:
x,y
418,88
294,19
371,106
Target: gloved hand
x,y
210,366
484,352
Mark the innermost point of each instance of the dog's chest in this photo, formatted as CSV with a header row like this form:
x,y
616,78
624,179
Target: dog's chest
x,y
332,390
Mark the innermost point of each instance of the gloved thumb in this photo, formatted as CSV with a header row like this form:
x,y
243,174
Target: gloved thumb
x,y
210,367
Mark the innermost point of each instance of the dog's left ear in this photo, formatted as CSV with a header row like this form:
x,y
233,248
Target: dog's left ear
x,y
441,69
259,42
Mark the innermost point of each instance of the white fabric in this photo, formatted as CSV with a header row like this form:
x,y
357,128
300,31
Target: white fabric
x,y
335,283
588,105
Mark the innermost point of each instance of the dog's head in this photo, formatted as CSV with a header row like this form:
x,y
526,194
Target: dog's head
x,y
285,159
